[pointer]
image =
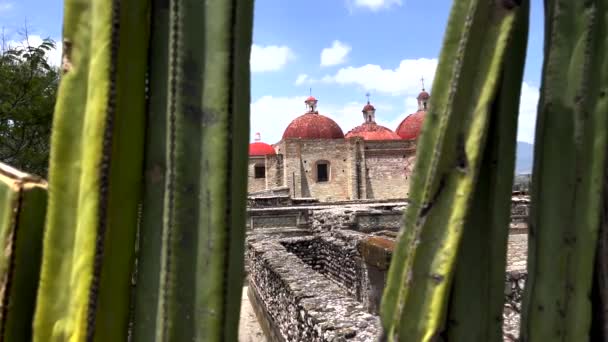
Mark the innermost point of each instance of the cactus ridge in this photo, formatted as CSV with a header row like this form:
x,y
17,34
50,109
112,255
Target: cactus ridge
x,y
104,172
570,151
22,210
448,163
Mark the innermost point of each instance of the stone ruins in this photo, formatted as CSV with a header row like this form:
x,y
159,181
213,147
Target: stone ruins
x,y
324,211
316,271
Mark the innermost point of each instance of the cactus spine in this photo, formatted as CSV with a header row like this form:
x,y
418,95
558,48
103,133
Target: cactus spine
x,y
94,175
190,268
472,96
22,211
568,174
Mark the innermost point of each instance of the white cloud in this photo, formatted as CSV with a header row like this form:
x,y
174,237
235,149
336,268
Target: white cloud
x,y
53,56
269,58
336,54
527,113
403,80
302,78
374,5
270,115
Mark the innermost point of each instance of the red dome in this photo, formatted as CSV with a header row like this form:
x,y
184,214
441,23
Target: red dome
x,y
313,126
372,131
260,149
410,127
310,98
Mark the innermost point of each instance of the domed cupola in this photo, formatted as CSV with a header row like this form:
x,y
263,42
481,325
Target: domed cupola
x,y
312,125
258,148
410,127
370,130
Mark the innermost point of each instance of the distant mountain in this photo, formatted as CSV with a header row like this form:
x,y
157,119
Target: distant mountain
x,y
524,158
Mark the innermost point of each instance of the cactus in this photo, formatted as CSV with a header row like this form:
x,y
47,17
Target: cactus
x,y
190,264
471,119
94,174
22,211
568,173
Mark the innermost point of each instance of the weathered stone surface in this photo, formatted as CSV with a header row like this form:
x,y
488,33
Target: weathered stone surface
x,y
317,286
514,290
299,303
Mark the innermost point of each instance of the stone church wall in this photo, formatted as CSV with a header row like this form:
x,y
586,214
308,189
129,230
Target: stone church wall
x,y
301,158
255,184
388,165
274,171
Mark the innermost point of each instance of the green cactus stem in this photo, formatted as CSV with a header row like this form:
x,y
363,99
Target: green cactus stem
x,y
22,211
471,96
190,263
568,173
95,173
477,296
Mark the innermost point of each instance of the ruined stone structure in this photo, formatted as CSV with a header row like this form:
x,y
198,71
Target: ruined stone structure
x,y
316,271
315,159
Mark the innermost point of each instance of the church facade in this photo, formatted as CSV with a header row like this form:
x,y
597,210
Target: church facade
x,y
315,159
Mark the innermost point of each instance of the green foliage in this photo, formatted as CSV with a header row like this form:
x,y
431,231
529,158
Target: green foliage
x,y
28,89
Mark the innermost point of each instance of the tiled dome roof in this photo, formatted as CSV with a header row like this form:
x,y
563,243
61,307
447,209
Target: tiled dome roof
x,y
313,126
260,149
372,131
410,127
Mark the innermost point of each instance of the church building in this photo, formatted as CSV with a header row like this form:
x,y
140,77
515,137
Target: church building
x,y
315,159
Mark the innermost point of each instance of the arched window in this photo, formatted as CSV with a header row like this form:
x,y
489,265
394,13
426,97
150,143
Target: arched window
x,y
322,171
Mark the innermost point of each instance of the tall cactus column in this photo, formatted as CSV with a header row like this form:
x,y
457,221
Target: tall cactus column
x,y
22,211
471,118
569,172
190,266
95,173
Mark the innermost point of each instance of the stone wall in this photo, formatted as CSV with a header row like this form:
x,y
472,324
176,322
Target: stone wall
x,y
358,169
348,267
388,167
255,184
274,171
295,303
335,258
514,292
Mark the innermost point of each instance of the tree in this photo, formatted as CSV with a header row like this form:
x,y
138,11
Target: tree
x,y
28,88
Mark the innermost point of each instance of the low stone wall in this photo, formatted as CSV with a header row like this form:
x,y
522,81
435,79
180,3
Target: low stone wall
x,y
346,272
334,258
296,303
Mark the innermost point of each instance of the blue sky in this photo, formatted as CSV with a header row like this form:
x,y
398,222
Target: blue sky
x,y
339,48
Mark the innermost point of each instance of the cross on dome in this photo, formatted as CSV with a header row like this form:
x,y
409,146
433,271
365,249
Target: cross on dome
x,y
258,137
422,81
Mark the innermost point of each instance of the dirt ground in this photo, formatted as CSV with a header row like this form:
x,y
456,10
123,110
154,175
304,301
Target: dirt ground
x,y
249,328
